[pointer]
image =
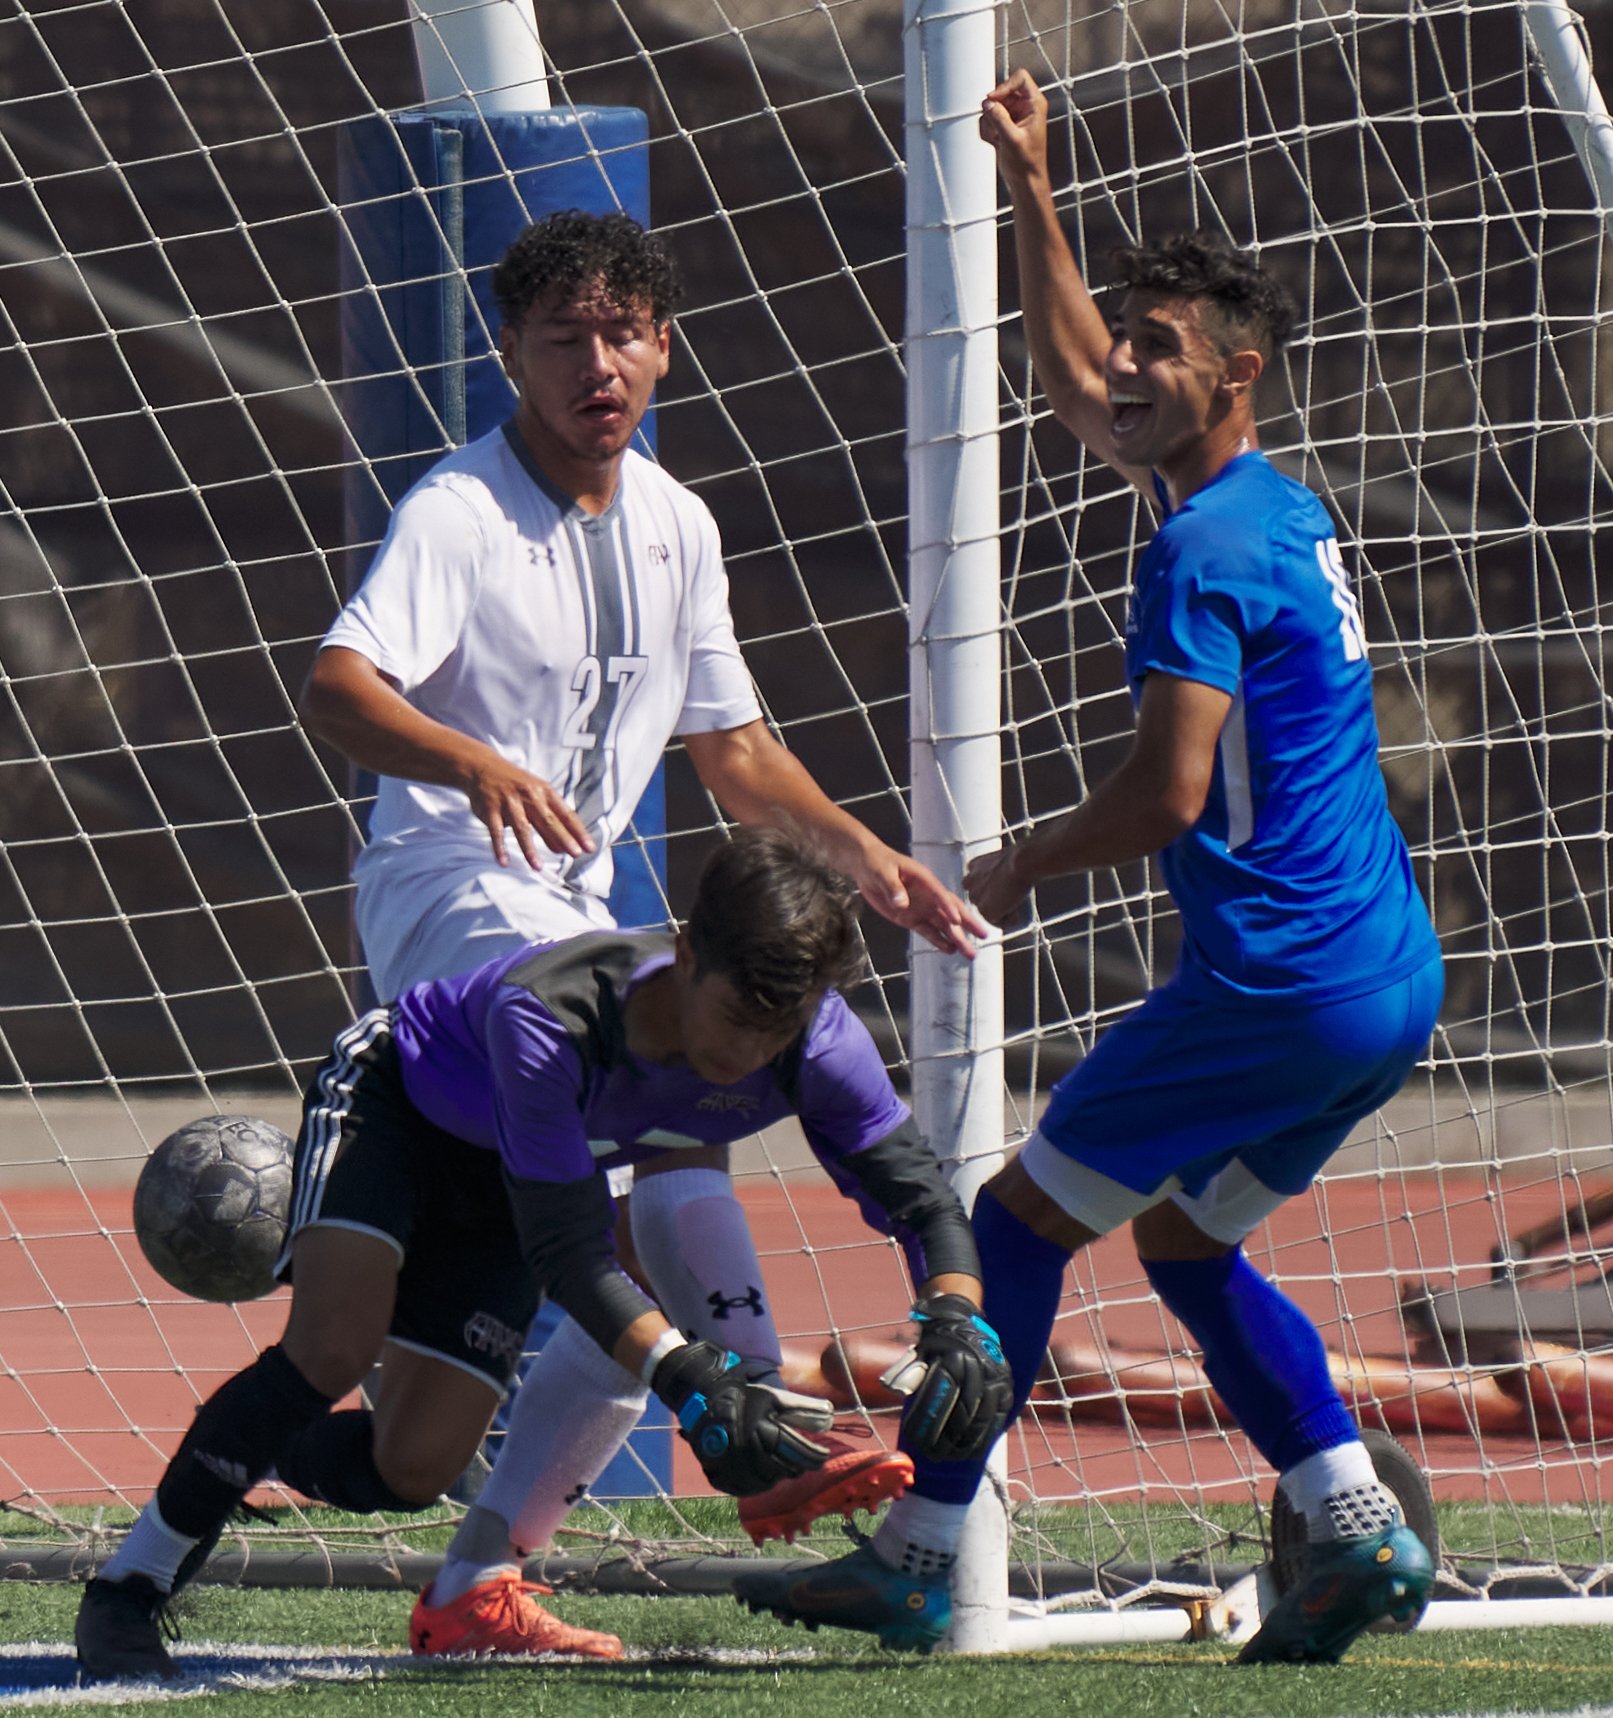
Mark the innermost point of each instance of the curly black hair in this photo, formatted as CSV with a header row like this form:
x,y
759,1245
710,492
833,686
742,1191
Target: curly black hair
x,y
570,252
1249,306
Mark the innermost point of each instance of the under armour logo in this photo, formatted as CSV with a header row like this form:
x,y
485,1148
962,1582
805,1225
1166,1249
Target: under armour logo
x,y
722,1304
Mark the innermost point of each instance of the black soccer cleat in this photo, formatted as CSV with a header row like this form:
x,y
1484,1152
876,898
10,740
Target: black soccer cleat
x,y
119,1631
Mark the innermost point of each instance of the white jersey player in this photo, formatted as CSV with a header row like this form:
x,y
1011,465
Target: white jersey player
x,y
572,644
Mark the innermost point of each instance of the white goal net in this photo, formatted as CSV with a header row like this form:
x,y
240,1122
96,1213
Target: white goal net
x,y
174,930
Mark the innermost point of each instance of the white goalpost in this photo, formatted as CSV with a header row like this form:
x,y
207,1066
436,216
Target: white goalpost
x,y
929,582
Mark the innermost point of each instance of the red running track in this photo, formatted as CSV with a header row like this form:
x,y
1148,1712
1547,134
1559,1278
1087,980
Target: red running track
x,y
101,1365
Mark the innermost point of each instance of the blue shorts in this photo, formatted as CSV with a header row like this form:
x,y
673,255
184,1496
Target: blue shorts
x,y
1184,1087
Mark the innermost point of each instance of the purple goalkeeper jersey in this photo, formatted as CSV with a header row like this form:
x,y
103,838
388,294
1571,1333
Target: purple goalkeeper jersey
x,y
528,1056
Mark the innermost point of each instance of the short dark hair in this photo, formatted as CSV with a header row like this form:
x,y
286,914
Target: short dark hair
x,y
775,921
570,251
1249,306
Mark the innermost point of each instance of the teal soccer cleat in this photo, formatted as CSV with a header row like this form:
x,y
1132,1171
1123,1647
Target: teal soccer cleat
x,y
1351,1583
907,1612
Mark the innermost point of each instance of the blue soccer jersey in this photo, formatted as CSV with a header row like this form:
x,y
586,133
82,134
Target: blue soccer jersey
x,y
1295,882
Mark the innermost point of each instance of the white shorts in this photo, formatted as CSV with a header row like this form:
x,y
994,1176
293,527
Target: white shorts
x,y
468,917
475,918
1230,1205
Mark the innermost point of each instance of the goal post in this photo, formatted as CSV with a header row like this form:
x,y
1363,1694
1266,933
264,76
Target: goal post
x,y
1558,33
929,583
954,616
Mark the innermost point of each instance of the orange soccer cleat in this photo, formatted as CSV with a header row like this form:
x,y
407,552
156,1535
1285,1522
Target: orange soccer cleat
x,y
501,1616
849,1480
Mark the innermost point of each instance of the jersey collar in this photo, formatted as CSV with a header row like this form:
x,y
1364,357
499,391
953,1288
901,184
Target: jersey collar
x,y
568,507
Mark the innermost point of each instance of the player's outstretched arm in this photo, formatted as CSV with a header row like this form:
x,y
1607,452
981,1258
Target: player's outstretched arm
x,y
1155,795
1068,334
747,1433
352,705
958,1386
756,781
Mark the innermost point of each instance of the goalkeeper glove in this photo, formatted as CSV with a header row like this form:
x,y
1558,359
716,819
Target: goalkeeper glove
x,y
958,1386
747,1435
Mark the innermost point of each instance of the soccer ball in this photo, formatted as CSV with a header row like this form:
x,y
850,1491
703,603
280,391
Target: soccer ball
x,y
211,1206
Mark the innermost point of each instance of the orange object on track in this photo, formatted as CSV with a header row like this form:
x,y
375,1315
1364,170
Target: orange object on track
x,y
1423,1399
852,1365
1569,1394
1151,1389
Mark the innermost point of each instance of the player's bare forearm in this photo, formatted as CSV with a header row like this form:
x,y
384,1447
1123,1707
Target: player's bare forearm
x,y
1157,794
953,1282
637,1343
349,703
756,781
1067,333
1000,883
352,705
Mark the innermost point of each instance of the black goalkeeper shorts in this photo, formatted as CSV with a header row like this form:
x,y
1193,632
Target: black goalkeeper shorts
x,y
368,1160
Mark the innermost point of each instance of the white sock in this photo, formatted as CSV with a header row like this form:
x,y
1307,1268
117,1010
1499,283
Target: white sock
x,y
572,1413
150,1548
920,1536
696,1248
1339,1494
480,1550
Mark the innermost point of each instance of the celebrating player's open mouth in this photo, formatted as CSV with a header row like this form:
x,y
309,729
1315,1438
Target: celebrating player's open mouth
x,y
1129,411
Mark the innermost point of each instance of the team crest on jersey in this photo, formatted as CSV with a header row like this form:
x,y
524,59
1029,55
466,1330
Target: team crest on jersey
x,y
728,1102
485,1334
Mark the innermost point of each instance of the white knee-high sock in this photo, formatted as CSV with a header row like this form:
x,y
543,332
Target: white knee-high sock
x,y
696,1248
572,1413
576,1407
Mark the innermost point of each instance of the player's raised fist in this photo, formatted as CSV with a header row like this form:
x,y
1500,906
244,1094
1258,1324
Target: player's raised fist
x,y
1013,120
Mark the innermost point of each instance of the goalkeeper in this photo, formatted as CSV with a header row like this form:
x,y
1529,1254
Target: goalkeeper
x,y
1310,976
451,1168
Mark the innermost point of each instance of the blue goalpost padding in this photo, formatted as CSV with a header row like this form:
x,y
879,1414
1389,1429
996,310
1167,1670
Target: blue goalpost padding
x,y
430,202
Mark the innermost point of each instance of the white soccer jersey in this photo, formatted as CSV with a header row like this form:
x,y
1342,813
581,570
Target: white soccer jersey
x,y
574,646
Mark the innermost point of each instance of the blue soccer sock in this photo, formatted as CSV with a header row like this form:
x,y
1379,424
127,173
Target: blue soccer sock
x,y
1262,1354
1023,1277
